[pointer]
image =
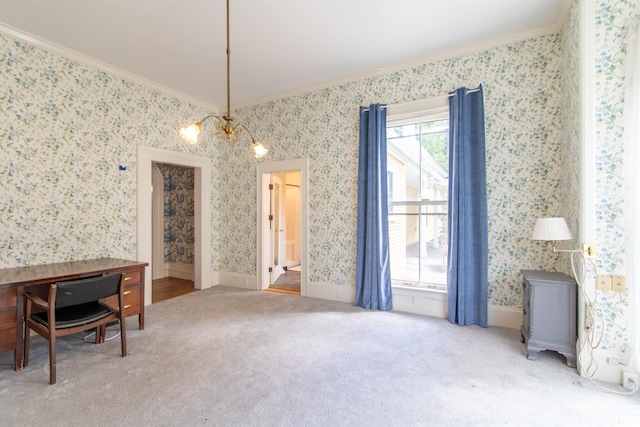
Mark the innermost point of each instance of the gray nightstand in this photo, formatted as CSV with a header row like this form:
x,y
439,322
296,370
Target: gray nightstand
x,y
549,314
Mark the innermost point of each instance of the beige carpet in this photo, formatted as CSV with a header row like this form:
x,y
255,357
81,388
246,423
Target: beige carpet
x,y
230,357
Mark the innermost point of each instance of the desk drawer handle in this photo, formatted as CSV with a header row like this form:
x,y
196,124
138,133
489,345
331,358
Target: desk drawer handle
x,y
127,278
127,306
126,292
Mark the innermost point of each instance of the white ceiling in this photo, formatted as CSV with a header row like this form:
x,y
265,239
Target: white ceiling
x,y
277,46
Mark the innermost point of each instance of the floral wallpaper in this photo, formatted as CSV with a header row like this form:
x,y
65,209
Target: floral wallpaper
x,y
90,122
526,174
613,18
178,213
69,134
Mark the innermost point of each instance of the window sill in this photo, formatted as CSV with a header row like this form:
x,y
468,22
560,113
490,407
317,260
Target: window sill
x,y
419,289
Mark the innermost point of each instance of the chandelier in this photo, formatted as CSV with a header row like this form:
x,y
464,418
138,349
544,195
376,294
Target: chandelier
x,y
224,125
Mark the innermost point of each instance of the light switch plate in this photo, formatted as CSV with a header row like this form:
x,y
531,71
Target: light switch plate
x,y
603,283
618,283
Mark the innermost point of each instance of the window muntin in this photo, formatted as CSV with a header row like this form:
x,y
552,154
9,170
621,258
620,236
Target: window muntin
x,y
417,151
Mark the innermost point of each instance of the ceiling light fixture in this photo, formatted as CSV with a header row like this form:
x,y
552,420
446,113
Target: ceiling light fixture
x,y
224,126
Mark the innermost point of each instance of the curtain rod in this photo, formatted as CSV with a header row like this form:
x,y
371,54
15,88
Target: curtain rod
x,y
466,93
477,89
382,107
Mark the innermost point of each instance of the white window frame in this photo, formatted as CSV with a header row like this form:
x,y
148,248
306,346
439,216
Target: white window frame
x,y
418,111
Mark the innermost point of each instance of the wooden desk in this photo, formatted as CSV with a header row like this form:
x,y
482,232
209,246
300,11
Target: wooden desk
x,y
37,278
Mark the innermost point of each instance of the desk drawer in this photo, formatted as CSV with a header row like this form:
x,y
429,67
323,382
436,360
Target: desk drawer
x,y
8,339
8,298
131,278
8,318
131,301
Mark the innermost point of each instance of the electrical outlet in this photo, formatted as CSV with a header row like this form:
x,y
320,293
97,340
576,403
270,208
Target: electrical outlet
x,y
339,293
630,380
613,361
618,283
589,250
603,283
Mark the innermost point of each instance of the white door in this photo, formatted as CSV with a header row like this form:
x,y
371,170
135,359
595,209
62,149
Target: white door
x,y
277,221
265,243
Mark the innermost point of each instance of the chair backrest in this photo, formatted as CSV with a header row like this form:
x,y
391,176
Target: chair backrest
x,y
76,292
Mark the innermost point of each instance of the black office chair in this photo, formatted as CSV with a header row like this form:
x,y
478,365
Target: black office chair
x,y
74,306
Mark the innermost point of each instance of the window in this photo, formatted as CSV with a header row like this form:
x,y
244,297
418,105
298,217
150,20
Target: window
x,y
418,161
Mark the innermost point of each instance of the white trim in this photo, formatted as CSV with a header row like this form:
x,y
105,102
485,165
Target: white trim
x,y
587,133
91,62
505,317
550,28
158,271
332,292
236,280
179,270
607,371
425,302
407,112
203,274
420,301
301,165
588,222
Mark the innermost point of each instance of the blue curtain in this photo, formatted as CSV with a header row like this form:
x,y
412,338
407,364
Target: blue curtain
x,y
467,269
373,275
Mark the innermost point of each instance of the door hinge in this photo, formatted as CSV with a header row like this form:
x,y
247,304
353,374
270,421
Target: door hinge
x,y
270,217
270,270
270,186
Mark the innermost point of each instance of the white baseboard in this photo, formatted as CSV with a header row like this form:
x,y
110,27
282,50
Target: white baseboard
x,y
235,280
609,372
178,270
506,317
331,291
418,301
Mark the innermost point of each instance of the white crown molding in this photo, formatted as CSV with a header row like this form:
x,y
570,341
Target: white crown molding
x,y
551,28
92,62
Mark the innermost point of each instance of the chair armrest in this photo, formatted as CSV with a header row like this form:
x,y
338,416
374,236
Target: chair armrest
x,y
36,300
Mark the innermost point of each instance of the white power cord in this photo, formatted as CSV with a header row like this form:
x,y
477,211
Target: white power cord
x,y
92,334
590,342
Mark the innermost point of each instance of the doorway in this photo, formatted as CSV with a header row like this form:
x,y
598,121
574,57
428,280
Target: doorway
x,y
284,232
202,272
282,226
173,231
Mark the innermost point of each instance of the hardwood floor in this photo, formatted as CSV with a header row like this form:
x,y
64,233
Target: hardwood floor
x,y
169,287
288,283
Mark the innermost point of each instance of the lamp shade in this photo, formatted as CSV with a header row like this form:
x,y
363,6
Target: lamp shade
x,y
551,229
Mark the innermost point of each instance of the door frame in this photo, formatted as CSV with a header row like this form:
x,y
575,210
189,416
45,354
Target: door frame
x,y
157,223
202,212
264,170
